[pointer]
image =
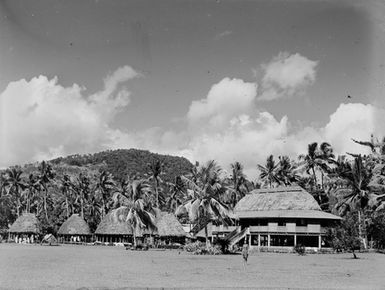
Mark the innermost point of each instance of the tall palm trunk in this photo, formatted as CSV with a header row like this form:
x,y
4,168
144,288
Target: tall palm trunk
x,y
81,208
314,176
360,228
157,196
104,208
45,204
28,209
207,237
67,209
18,207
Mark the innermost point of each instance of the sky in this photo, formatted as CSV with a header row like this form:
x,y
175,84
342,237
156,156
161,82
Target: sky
x,y
224,80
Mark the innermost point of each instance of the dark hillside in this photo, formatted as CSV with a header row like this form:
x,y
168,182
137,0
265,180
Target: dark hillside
x,y
123,162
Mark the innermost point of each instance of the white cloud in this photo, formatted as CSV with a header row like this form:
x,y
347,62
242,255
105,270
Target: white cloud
x,y
42,119
225,100
223,34
357,121
287,75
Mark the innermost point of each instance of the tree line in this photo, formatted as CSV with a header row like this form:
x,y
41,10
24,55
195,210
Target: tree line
x,y
197,194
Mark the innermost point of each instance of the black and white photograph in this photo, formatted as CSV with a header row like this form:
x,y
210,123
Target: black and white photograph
x,y
192,144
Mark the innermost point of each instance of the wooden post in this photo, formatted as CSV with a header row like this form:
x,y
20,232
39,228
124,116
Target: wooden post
x,y
295,240
259,240
268,240
319,242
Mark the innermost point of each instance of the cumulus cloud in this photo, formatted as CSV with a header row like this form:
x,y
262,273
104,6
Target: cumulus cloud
x,y
225,100
357,121
42,119
287,75
249,134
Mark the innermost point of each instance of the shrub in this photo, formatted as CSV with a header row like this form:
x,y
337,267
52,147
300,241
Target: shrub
x,y
345,236
199,248
300,249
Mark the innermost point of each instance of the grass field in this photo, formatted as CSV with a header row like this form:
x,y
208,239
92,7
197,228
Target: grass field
x,y
88,267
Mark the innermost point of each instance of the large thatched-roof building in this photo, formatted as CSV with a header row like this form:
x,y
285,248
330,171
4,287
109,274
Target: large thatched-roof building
x,y
113,229
25,229
74,229
283,217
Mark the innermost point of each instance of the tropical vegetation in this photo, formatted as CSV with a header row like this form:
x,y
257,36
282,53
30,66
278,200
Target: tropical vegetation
x,y
135,184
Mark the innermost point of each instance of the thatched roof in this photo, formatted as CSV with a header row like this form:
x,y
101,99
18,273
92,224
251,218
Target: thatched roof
x,y
284,202
26,223
74,225
111,225
169,226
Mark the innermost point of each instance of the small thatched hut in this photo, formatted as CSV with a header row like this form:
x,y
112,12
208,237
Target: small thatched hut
x,y
112,230
74,229
25,229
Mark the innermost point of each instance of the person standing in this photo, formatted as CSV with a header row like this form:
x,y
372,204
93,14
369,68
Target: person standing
x,y
245,254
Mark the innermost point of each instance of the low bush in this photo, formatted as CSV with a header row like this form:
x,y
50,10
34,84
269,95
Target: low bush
x,y
300,249
199,248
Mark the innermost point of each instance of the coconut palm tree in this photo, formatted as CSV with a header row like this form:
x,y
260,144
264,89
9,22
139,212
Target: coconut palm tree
x,y
104,187
238,186
176,196
321,158
81,188
137,210
121,194
358,178
268,173
15,186
46,174
155,170
32,187
205,189
6,206
286,171
66,188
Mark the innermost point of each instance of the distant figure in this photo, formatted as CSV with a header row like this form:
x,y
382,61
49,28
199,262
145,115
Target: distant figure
x,y
245,254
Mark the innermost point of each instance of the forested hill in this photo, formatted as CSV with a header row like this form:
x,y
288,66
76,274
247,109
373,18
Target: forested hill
x,y
129,162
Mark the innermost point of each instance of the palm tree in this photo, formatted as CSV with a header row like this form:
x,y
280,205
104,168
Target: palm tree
x,y
317,158
137,210
82,190
66,187
121,194
205,189
32,187
286,173
45,177
104,186
6,205
176,196
15,186
155,170
358,196
268,173
238,186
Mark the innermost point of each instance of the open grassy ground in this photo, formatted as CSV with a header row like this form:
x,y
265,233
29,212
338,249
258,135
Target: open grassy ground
x,y
72,267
